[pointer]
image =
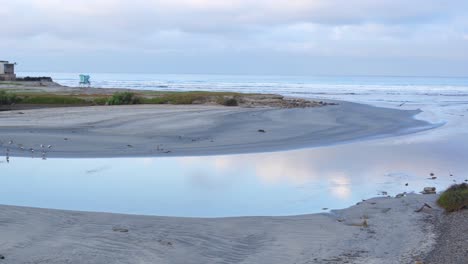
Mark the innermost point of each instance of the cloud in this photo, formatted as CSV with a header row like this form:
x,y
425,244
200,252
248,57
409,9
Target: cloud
x,y
220,16
225,29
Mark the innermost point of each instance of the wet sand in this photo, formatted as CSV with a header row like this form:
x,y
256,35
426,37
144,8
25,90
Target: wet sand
x,y
177,130
393,233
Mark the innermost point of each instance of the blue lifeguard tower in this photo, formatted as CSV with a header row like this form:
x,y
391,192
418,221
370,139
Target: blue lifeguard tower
x,y
84,80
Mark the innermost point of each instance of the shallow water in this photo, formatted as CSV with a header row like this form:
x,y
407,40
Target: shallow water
x,y
281,183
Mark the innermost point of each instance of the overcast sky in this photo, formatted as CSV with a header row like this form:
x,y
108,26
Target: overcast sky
x,y
337,37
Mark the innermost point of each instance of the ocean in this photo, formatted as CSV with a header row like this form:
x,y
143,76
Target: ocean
x,y
369,89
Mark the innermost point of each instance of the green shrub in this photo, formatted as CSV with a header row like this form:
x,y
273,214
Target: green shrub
x,y
455,198
230,102
8,98
123,98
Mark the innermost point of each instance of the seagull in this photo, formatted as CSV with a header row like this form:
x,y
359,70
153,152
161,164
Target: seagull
x,y
10,142
42,146
49,146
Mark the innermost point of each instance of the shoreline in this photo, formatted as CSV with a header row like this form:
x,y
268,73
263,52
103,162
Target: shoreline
x,y
193,130
377,230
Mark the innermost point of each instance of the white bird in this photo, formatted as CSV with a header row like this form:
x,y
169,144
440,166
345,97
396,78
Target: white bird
x,y
49,146
42,146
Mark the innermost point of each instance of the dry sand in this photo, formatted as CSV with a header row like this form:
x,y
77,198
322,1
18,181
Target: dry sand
x,y
395,233
175,130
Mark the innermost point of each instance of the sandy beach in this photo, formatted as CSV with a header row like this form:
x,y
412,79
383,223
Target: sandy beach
x,y
177,130
379,230
234,132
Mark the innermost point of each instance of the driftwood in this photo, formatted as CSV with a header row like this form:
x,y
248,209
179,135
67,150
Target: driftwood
x,y
422,207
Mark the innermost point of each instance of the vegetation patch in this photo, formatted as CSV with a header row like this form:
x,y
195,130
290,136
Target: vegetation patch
x,y
53,99
455,198
181,98
230,102
9,83
25,97
124,98
100,101
8,98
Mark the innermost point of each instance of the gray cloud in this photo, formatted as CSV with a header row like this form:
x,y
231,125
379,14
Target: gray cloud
x,y
222,30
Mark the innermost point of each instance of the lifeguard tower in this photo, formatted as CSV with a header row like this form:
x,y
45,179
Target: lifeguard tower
x,y
85,80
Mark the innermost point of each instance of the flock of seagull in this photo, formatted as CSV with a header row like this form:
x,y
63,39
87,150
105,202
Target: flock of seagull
x,y
9,144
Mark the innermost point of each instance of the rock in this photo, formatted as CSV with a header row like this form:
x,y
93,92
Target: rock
x,y
432,178
400,195
406,184
429,190
2,257
364,223
325,208
261,131
35,79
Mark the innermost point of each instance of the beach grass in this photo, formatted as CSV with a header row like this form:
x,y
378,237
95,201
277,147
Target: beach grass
x,y
10,83
122,98
455,198
53,99
189,97
7,98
